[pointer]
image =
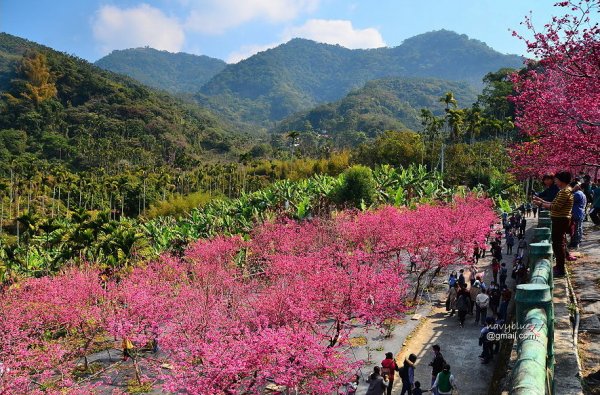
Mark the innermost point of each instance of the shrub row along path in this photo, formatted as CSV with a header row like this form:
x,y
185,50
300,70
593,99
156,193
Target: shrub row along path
x,y
459,346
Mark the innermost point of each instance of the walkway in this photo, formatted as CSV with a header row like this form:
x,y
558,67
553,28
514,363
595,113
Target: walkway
x,y
459,346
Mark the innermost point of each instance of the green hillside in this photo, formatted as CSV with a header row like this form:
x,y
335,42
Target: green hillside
x,y
173,72
380,105
300,74
57,107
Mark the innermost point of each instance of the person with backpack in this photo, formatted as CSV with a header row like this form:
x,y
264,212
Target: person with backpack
x,y
377,383
463,302
407,373
444,382
389,368
437,365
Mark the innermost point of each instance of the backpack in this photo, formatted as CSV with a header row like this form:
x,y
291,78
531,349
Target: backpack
x,y
503,272
462,304
443,379
452,281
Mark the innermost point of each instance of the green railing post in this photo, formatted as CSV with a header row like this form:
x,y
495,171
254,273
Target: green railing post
x,y
545,223
542,273
530,296
541,234
543,214
538,251
529,373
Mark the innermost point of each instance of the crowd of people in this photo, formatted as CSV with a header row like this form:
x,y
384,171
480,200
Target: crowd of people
x,y
571,202
382,378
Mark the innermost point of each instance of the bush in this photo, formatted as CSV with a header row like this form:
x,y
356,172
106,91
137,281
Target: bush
x,y
178,205
357,186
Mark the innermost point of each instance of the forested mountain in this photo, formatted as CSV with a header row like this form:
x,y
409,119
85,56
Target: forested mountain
x,y
380,105
57,107
300,74
173,72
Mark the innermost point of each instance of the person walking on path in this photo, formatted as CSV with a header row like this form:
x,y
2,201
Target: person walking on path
x,y
505,300
534,210
577,215
522,246
485,341
451,301
476,253
510,242
417,390
494,297
503,274
595,211
437,365
388,367
444,382
495,269
461,277
407,373
377,384
560,213
481,305
463,301
452,279
522,227
473,292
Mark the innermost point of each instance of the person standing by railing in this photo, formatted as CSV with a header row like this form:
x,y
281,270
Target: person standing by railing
x,y
560,213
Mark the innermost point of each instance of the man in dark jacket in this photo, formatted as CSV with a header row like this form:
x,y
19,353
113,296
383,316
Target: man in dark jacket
x,y
377,384
551,190
437,365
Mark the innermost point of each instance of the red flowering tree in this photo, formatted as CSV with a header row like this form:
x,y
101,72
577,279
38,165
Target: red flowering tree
x,y
558,99
46,326
232,316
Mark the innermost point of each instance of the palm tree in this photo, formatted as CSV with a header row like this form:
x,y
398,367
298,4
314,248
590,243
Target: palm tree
x,y
449,100
293,136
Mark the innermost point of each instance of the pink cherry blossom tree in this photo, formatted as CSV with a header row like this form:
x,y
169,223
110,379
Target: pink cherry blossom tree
x,y
557,99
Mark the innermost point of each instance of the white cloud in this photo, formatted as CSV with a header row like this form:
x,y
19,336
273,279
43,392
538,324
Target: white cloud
x,y
248,50
340,32
217,16
120,28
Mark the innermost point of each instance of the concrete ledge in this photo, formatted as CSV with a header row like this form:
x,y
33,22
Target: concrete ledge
x,y
566,370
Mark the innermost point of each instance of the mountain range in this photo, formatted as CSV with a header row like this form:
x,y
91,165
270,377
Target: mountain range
x,y
380,105
172,72
300,74
56,106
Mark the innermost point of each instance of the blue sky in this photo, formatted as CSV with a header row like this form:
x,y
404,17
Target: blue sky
x,y
234,29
